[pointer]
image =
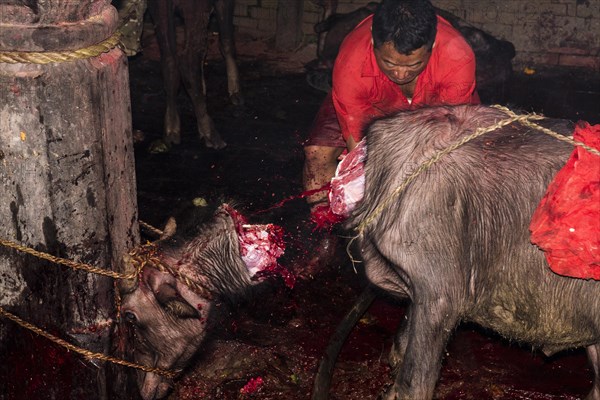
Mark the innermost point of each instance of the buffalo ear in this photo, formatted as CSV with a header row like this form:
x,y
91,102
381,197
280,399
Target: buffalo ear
x,y
169,229
167,296
180,309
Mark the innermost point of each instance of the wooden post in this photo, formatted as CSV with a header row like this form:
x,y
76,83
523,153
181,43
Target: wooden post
x,y
67,187
288,32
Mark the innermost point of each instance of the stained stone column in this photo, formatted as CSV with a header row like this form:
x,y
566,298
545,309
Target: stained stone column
x,y
67,187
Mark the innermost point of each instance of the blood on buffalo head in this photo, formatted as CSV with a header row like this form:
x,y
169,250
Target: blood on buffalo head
x,y
169,306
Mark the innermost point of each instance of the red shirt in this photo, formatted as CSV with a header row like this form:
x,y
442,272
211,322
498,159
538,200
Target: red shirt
x,y
362,92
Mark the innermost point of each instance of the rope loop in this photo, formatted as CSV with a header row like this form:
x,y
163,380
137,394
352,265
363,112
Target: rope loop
x,y
525,119
435,158
140,257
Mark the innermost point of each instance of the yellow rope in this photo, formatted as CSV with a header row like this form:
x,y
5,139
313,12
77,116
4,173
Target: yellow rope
x,y
34,57
146,256
140,257
522,119
47,57
435,158
151,228
86,353
550,132
68,263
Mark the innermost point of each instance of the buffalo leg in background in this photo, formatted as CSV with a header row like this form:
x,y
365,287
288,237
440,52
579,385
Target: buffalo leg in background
x,y
224,15
187,64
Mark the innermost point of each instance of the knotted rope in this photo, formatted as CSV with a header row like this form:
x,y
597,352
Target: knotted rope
x,y
437,156
550,132
147,255
47,57
86,353
525,120
140,257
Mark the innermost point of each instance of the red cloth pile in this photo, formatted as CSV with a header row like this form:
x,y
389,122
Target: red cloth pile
x,y
566,224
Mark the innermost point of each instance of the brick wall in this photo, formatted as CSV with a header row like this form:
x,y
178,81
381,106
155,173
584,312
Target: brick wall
x,y
544,32
257,17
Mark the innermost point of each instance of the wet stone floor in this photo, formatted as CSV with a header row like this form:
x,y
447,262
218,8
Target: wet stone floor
x,y
277,337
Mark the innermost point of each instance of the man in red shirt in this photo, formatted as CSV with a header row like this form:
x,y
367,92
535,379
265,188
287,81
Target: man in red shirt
x,y
402,57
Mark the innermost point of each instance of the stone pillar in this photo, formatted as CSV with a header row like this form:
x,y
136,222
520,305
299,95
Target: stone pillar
x,y
67,187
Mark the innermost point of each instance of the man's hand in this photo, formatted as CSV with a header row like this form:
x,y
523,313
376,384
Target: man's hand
x,y
350,143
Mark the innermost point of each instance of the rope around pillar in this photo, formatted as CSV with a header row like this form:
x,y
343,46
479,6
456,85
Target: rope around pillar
x,y
34,57
43,57
86,353
67,263
140,258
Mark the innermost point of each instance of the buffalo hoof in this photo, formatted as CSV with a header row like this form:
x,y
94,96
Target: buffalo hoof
x,y
236,99
214,141
172,138
208,131
172,126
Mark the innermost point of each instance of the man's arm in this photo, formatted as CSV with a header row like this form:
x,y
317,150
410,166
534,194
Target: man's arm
x,y
354,111
350,143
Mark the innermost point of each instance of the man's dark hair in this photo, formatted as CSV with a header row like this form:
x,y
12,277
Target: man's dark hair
x,y
409,24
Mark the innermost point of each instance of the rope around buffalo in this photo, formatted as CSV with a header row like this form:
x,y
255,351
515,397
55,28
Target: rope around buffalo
x,y
435,158
522,119
550,132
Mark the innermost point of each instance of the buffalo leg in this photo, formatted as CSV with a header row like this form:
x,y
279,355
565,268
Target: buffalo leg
x,y
323,378
398,347
196,16
378,269
593,353
428,329
162,15
224,14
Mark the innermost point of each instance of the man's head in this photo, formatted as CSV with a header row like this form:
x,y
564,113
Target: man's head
x,y
403,36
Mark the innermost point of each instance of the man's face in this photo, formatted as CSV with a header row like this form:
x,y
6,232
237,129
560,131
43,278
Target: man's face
x,y
401,68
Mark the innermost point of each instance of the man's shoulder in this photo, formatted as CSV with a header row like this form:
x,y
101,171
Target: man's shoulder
x,y
354,47
450,45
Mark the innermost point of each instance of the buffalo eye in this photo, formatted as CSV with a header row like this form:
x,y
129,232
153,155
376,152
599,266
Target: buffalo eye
x,y
130,317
